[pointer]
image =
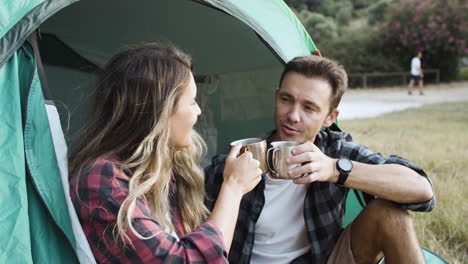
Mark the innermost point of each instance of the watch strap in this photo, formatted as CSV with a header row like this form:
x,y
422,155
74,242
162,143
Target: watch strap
x,y
343,173
342,178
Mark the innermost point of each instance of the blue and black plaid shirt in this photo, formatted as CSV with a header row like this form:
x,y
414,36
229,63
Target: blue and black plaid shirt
x,y
323,204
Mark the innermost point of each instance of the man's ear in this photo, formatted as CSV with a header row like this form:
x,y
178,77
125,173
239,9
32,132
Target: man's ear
x,y
331,118
276,92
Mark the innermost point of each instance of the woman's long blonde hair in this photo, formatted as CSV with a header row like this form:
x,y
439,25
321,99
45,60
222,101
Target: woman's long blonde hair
x,y
137,92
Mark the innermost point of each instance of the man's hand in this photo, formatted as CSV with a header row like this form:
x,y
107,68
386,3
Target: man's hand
x,y
316,165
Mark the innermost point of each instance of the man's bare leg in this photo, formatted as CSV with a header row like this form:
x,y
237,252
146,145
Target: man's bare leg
x,y
384,229
421,85
410,86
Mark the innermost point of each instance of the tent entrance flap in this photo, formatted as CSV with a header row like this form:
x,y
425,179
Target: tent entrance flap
x,y
224,49
223,40
32,193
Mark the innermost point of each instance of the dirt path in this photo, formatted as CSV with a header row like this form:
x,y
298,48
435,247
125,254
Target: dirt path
x,y
361,103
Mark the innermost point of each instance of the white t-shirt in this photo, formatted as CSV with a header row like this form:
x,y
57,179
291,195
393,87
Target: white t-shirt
x,y
415,65
280,232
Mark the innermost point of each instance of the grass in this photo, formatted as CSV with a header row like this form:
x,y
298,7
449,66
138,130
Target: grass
x,y
436,138
463,74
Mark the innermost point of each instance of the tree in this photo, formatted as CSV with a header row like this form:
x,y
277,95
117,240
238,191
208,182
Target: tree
x,y
296,4
303,4
437,28
361,3
341,10
377,11
320,27
360,52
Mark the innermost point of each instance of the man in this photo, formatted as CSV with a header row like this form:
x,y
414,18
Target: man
x,y
300,221
416,74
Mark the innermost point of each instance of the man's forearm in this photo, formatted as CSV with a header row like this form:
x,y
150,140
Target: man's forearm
x,y
391,182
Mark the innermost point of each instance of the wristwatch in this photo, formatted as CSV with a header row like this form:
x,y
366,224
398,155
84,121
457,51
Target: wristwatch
x,y
344,166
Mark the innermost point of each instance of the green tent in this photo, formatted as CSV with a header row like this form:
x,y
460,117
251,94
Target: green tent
x,y
239,48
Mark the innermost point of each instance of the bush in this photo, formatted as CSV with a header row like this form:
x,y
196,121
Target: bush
x,y
361,3
320,27
296,4
303,4
340,10
344,13
377,11
361,53
438,28
463,74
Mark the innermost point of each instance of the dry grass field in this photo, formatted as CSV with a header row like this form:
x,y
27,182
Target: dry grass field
x,y
436,138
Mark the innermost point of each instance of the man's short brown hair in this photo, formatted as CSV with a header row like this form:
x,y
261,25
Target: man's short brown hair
x,y
320,67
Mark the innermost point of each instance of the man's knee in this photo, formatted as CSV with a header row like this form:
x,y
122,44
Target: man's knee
x,y
387,216
379,227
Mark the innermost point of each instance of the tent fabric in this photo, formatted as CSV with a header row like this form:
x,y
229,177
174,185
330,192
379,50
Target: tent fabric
x,y
32,197
52,223
431,258
352,208
14,221
218,47
275,30
39,148
36,159
83,250
242,44
19,18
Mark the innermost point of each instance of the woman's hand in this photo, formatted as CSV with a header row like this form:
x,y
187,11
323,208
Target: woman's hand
x,y
241,172
241,175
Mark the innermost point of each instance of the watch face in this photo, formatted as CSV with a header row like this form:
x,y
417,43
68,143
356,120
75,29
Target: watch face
x,y
345,164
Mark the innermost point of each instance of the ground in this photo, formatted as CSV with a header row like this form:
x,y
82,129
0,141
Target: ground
x,y
362,103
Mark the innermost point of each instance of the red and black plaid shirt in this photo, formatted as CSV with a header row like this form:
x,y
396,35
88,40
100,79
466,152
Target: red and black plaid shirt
x,y
98,193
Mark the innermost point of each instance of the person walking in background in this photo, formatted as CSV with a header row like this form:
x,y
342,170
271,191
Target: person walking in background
x,y
416,74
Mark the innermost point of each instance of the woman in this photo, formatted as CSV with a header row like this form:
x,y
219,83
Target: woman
x,y
136,182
